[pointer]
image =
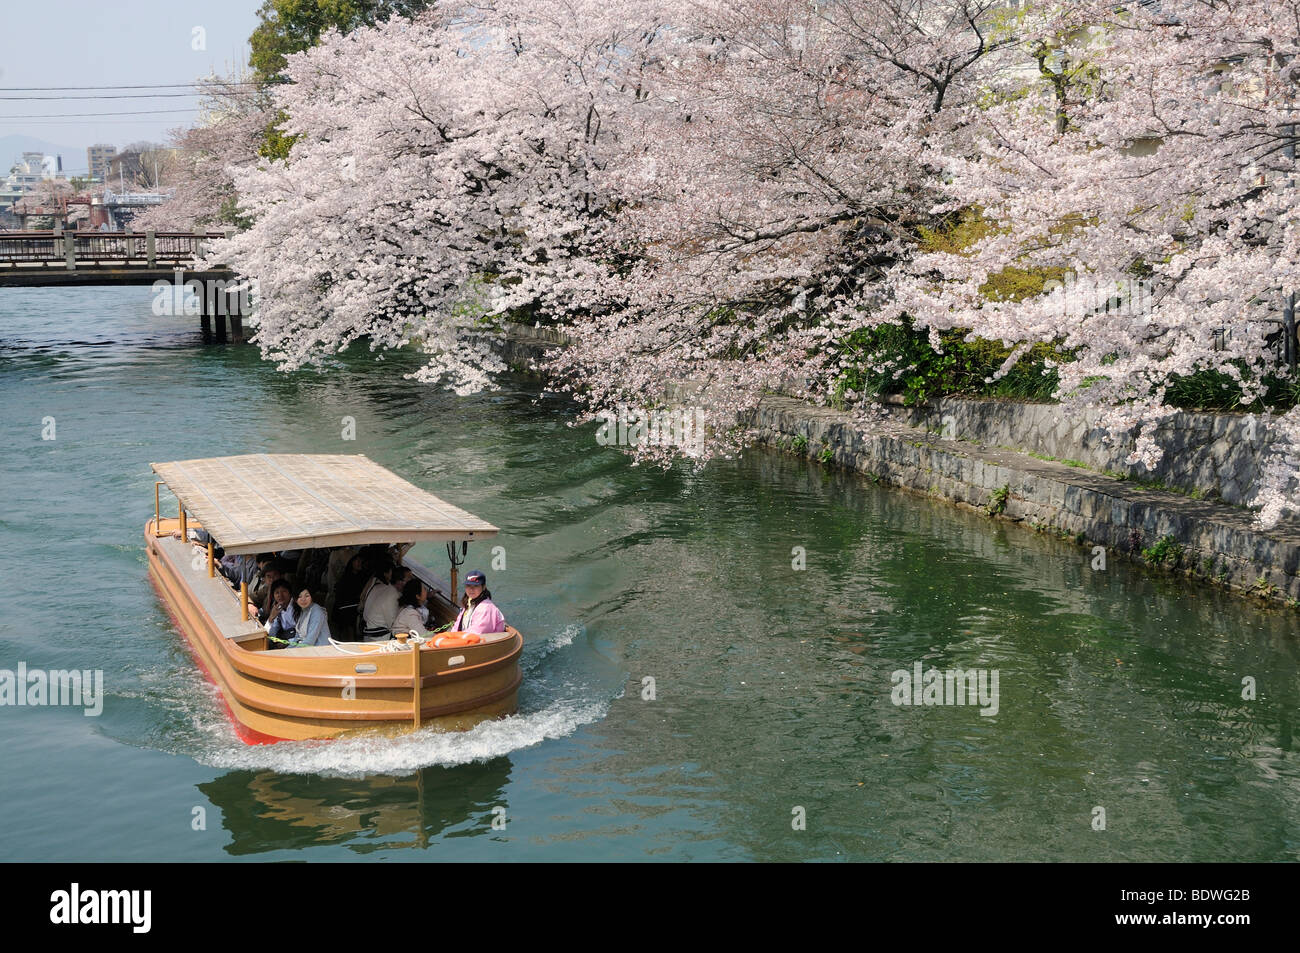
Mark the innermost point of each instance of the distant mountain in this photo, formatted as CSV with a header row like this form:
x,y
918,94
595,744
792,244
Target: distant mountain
x,y
12,148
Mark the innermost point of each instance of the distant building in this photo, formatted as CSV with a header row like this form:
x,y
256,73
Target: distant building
x,y
98,159
24,175
124,169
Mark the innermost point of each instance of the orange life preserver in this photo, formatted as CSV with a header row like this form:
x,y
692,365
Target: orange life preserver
x,y
457,640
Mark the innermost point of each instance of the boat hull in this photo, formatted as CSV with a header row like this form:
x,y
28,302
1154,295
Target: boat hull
x,y
284,695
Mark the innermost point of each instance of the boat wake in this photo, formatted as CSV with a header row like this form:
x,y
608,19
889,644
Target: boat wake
x,y
363,755
563,703
564,638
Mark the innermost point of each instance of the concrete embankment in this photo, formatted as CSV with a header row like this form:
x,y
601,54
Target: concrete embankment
x,y
1036,465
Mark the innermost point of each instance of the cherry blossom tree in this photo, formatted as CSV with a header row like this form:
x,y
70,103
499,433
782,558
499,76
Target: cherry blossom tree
x,y
442,174
727,191
771,182
692,190
1154,170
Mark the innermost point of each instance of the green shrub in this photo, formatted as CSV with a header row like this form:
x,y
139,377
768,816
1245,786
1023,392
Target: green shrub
x,y
998,500
1167,551
910,367
961,367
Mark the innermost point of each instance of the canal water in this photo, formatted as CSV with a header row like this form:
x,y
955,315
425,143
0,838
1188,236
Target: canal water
x,y
772,733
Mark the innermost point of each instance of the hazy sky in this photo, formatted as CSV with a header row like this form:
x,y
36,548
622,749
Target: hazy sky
x,y
112,42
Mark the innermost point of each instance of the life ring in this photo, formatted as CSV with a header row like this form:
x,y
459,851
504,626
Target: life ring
x,y
457,640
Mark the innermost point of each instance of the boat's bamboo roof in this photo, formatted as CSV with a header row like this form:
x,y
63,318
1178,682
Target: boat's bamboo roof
x,y
273,501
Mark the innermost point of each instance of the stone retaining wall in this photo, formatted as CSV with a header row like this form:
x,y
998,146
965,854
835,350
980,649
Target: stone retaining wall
x,y
523,346
1216,456
976,454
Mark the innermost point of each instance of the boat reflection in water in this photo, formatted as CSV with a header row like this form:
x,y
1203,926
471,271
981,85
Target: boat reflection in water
x,y
267,811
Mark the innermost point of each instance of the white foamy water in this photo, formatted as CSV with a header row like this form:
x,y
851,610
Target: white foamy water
x,y
402,754
558,641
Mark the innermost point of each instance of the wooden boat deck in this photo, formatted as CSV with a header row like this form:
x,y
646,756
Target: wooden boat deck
x,y
214,595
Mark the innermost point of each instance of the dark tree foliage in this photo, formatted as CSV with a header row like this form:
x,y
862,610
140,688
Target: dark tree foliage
x,y
291,26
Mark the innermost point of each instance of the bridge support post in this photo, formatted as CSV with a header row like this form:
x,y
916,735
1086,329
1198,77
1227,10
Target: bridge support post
x,y
70,250
208,312
150,250
236,317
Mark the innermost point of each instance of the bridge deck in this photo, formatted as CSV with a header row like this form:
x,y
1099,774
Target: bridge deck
x,y
39,259
102,275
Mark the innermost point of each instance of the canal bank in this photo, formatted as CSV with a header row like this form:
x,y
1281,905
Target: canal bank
x,y
1033,464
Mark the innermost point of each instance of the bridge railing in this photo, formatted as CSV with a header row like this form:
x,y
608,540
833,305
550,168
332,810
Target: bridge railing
x,y
27,247
71,250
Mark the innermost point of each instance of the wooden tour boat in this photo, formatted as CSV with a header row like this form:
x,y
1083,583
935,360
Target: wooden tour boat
x,y
277,502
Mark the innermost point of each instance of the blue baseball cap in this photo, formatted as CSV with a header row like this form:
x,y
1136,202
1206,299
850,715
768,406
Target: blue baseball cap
x,y
476,578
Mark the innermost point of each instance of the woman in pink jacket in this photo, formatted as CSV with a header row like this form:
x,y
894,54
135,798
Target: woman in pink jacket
x,y
478,613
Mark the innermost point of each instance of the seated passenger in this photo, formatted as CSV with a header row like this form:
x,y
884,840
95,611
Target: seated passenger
x,y
244,568
312,625
311,569
380,607
377,563
259,594
199,537
340,563
413,598
282,626
478,613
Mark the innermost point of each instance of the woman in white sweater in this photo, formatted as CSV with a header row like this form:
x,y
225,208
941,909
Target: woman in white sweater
x,y
409,618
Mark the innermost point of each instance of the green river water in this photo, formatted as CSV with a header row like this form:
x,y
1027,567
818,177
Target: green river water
x,y
1117,689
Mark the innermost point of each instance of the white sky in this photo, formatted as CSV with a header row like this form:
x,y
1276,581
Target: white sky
x,y
112,42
